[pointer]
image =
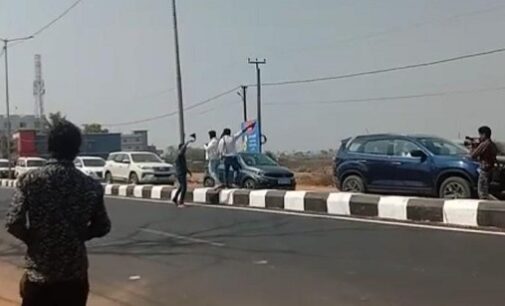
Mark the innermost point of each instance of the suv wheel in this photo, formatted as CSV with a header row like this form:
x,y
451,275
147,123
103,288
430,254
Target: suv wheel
x,y
134,179
249,184
108,178
455,188
208,182
353,183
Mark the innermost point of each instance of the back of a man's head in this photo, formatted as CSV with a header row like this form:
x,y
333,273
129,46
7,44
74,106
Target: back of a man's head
x,y
64,141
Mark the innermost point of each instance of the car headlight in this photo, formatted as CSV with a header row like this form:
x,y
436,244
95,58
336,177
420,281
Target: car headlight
x,y
146,168
260,172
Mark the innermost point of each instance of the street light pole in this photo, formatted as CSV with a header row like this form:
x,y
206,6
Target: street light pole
x,y
7,103
258,87
179,77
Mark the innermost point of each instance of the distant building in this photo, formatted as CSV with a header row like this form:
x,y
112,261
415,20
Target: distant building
x,y
100,144
20,122
137,141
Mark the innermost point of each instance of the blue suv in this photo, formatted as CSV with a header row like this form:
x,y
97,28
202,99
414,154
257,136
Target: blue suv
x,y
420,165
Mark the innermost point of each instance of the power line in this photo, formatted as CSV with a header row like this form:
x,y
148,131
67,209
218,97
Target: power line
x,y
389,98
206,101
48,25
384,70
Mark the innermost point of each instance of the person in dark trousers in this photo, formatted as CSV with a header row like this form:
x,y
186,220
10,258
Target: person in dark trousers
x,y
485,153
182,171
54,211
227,149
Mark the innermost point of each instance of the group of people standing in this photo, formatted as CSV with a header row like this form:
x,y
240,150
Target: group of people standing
x,y
217,150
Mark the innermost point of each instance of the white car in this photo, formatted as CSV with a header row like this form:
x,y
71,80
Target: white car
x,y
25,164
91,166
138,168
4,168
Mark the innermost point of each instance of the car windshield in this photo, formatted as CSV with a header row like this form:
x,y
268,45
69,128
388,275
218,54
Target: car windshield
x,y
145,158
35,163
258,160
439,146
4,164
92,162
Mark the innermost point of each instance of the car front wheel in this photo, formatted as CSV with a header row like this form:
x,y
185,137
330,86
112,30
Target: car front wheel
x,y
249,184
353,183
134,179
455,188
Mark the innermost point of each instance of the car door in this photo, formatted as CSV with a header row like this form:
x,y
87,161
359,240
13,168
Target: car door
x,y
413,173
375,157
120,167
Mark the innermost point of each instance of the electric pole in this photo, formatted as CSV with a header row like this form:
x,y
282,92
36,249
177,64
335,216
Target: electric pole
x,y
243,95
179,77
258,87
7,104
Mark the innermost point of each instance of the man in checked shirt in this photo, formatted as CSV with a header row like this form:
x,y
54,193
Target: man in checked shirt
x,y
54,211
485,153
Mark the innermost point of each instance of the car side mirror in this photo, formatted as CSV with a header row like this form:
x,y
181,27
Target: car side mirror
x,y
419,154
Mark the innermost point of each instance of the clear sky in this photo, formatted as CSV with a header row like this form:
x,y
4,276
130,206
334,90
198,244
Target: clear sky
x,y
111,61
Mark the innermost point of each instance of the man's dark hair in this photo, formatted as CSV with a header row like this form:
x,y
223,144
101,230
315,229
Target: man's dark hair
x,y
226,132
64,140
485,130
212,134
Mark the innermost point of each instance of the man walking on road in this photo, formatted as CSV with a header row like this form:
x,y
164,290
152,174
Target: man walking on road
x,y
212,155
56,209
228,150
182,171
485,153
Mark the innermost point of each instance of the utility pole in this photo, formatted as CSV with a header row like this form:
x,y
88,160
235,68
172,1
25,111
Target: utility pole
x,y
258,87
7,104
179,77
243,95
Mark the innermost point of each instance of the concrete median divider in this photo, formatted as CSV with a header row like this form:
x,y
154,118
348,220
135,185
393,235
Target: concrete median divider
x,y
461,213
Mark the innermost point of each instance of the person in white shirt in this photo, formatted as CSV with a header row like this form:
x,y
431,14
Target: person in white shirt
x,y
228,151
212,157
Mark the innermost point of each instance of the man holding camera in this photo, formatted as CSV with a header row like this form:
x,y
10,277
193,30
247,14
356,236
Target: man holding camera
x,y
485,153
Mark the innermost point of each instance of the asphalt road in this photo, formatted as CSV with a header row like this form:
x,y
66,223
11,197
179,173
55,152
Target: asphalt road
x,y
209,256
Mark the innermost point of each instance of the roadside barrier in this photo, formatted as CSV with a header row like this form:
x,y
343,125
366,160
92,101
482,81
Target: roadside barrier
x,y
461,213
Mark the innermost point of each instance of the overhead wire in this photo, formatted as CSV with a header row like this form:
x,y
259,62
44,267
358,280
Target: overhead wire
x,y
193,106
49,24
388,98
384,70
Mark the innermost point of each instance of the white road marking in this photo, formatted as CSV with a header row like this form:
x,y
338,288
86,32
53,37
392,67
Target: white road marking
x,y
461,212
393,207
182,237
320,216
294,200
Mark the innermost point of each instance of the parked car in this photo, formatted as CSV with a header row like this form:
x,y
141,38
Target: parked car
x,y
420,165
91,166
138,168
25,164
257,171
4,168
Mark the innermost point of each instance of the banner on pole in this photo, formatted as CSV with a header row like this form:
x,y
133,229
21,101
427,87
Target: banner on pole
x,y
251,138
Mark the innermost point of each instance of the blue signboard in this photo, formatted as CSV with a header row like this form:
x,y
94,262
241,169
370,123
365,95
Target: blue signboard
x,y
251,138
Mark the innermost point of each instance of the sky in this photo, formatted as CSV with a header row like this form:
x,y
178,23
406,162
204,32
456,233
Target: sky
x,y
112,61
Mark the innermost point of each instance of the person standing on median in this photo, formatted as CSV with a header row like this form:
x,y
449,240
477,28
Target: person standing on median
x,y
485,153
212,156
228,151
55,210
182,171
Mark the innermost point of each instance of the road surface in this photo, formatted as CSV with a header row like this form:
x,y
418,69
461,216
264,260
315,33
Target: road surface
x,y
159,255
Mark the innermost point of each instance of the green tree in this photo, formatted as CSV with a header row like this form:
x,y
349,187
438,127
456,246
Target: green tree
x,y
94,128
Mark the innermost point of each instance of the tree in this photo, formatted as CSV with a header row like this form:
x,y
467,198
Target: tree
x,y
94,128
53,119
